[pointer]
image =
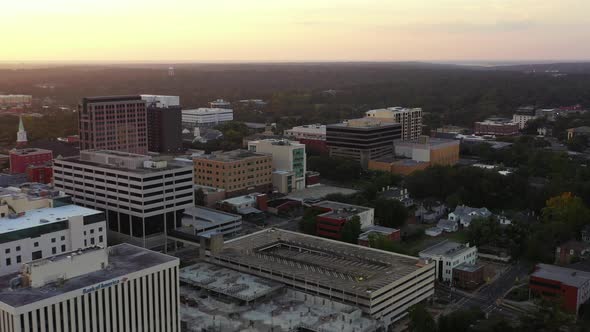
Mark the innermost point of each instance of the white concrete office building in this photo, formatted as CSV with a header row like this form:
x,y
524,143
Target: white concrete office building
x,y
120,289
206,117
289,162
44,232
141,197
448,255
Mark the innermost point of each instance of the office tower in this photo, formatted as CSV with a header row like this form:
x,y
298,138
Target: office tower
x,y
142,197
123,288
409,118
117,123
238,172
289,162
362,139
164,123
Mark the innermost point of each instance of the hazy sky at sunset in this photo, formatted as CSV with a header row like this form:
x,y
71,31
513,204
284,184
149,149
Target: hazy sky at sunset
x,y
293,30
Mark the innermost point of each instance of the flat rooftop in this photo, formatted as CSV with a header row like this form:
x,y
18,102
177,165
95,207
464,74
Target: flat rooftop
x,y
566,276
284,311
340,210
364,123
221,280
321,261
202,217
468,267
239,200
234,155
207,111
428,142
39,217
136,158
29,151
375,229
110,99
123,260
319,192
445,248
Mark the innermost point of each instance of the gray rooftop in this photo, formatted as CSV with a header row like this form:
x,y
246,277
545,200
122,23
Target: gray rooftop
x,y
340,210
321,261
123,260
44,216
202,217
445,248
566,276
234,155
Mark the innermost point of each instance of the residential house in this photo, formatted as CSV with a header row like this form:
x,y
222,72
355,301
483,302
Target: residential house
x,y
465,214
399,194
448,226
571,251
586,234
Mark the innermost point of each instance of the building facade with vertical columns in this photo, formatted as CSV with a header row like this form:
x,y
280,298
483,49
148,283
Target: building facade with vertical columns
x,y
121,288
113,123
142,197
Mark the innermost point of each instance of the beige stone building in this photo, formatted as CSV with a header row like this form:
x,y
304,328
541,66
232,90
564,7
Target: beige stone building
x,y
238,172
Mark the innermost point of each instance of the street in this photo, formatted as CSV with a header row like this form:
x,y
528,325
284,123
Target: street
x,y
486,298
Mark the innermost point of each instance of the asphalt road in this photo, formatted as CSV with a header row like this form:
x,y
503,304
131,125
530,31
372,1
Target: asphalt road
x,y
486,298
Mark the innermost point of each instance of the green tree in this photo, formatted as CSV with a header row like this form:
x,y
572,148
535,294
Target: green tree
x,y
390,212
351,230
420,319
308,222
199,197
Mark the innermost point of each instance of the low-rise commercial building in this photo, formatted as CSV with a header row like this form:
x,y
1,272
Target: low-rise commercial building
x,y
363,139
335,215
568,287
497,127
409,118
206,117
313,136
48,231
20,159
202,221
384,285
289,162
448,255
418,154
142,197
238,172
392,234
122,288
468,276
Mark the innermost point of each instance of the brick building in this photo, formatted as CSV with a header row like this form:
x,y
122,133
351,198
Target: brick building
x,y
468,276
392,234
117,123
497,127
569,287
313,136
40,173
238,172
334,215
20,159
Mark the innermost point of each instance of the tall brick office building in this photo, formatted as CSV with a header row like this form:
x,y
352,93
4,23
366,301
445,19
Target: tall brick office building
x,y
116,123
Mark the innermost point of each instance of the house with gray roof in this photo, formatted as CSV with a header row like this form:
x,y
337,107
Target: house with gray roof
x,y
465,214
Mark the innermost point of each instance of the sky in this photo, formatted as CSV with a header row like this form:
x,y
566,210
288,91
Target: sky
x,y
293,30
